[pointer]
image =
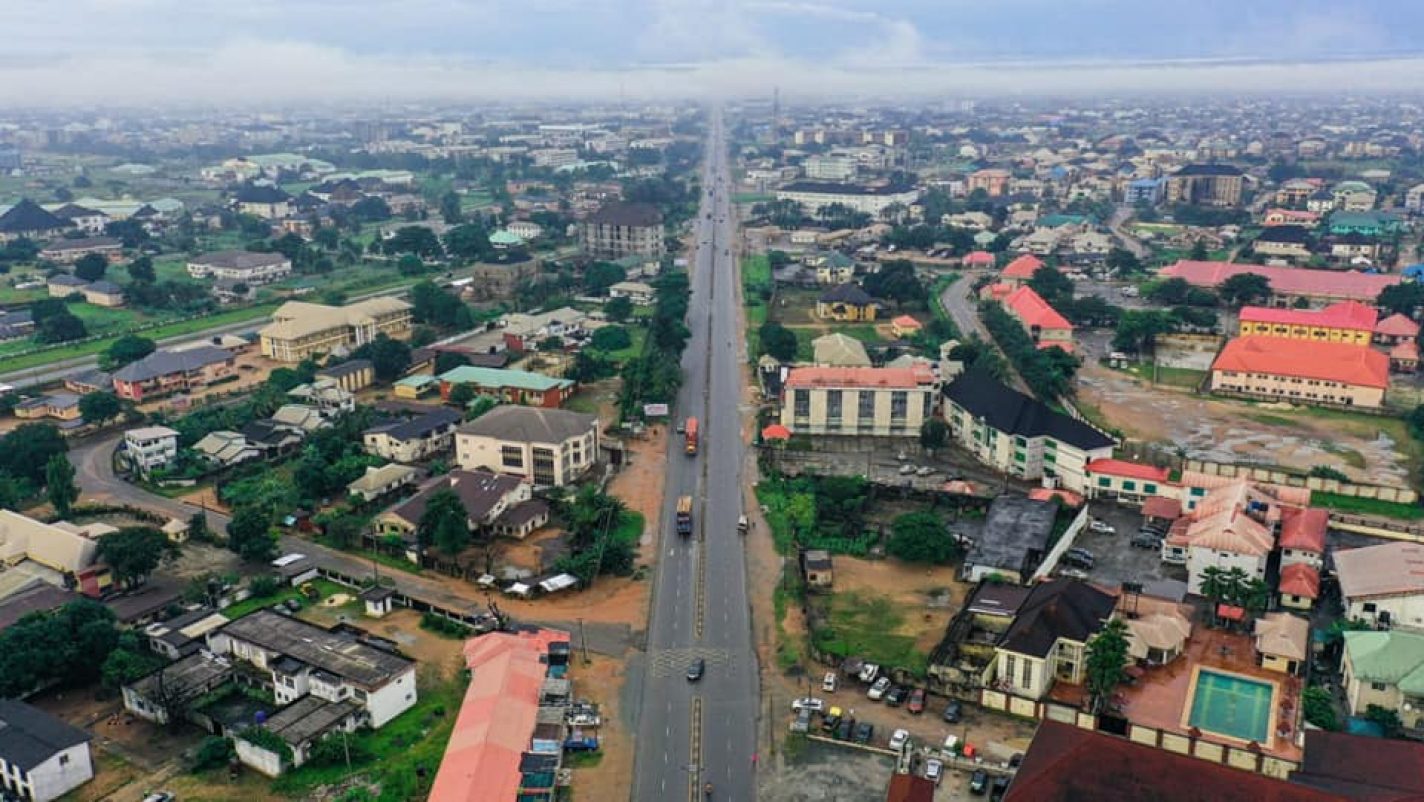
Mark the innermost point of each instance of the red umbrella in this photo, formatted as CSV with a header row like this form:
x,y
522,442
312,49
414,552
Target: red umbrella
x,y
776,432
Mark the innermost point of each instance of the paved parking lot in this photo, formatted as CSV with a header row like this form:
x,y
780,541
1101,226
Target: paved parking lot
x,y
1116,559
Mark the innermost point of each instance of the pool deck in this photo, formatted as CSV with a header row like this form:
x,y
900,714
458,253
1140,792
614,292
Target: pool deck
x,y
1273,703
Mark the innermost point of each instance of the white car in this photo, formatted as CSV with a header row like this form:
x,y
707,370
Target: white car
x,y
869,672
898,739
934,770
907,469
878,689
925,470
1101,527
831,682
808,703
951,746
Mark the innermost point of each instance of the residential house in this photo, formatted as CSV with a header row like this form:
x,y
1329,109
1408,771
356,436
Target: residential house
x,y
1396,329
1355,249
380,482
1302,537
524,332
225,449
1123,481
64,285
150,447
864,198
418,438
1289,217
1382,585
620,229
1282,642
69,251
266,202
65,548
1414,199
509,386
1045,326
847,303
306,419
1047,642
1385,669
548,447
832,267
1284,242
60,406
90,221
299,330
1020,271
1322,201
324,395
489,500
1299,371
183,634
905,326
637,292
875,402
1159,625
1293,192
16,324
1232,527
1020,436
413,387
89,381
967,648
166,694
29,220
163,373
1368,223
248,267
836,350
1354,196
1360,765
103,293
1288,284
1342,322
1205,185
272,438
993,181
818,568
42,758
299,726
1298,587
1013,541
353,375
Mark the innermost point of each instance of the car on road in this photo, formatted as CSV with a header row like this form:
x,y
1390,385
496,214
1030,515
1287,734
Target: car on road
x,y
831,682
896,695
1101,527
864,731
160,796
979,782
916,705
808,702
1146,540
907,469
877,691
802,722
1072,573
898,739
925,470
953,711
696,670
682,427
934,770
999,788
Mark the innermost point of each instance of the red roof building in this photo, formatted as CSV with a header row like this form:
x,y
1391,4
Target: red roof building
x,y
1304,531
1396,328
869,378
1361,767
1300,580
1162,508
1302,372
1404,357
1043,323
910,788
1346,321
1020,270
1129,470
1287,282
979,259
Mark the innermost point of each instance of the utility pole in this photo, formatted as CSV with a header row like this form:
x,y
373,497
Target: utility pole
x,y
583,642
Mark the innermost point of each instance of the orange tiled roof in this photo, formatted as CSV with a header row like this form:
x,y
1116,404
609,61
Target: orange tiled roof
x,y
1405,352
1304,530
1286,280
908,378
906,322
1022,267
979,259
1397,325
1344,315
1132,470
1029,307
1300,579
1276,356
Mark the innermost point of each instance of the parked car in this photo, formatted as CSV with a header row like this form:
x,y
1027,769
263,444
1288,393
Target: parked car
x,y
978,782
877,691
1146,540
951,746
1076,560
907,469
802,722
1072,573
1016,760
160,796
924,470
934,770
864,731
916,704
695,671
831,720
1079,551
896,695
831,682
1101,527
868,672
847,726
999,788
953,711
898,739
808,702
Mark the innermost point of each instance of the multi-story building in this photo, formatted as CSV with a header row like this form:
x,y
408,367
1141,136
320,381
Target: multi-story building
x,y
266,202
1205,185
1045,326
993,181
619,230
247,267
42,758
1232,527
150,447
877,402
1344,322
163,373
1047,642
299,330
1382,585
1019,435
834,166
509,386
550,447
494,505
418,438
871,200
1385,670
1302,372
69,251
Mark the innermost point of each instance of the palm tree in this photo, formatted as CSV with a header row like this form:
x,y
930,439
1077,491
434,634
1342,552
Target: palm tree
x,y
1256,595
1106,661
1236,580
1213,585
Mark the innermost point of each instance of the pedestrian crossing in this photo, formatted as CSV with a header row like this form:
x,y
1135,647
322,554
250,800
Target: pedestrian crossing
x,y
668,662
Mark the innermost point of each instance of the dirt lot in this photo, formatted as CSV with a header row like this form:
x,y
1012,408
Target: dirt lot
x,y
928,596
600,681
1364,447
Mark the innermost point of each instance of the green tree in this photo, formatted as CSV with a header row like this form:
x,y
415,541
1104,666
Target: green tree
x,y
128,662
1318,707
1123,261
450,210
1052,286
618,309
26,450
99,407
462,394
249,534
446,361
777,341
343,531
469,241
1106,664
410,265
481,405
141,270
1199,252
896,281
551,343
934,433
59,484
91,267
215,752
599,276
198,526
134,552
444,523
68,645
389,357
128,348
1386,718
1214,585
61,328
1244,288
1404,298
417,240
921,537
611,338
1169,292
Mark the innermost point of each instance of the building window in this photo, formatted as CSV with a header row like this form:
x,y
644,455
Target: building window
x,y
802,403
1104,481
1149,488
64,760
1010,663
866,405
833,404
1369,607
511,456
899,403
1027,674
1129,485
1378,686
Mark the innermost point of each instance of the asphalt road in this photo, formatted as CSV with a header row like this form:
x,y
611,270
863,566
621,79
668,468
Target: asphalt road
x,y
963,308
693,733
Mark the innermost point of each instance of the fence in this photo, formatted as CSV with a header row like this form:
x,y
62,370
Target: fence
x,y
1280,476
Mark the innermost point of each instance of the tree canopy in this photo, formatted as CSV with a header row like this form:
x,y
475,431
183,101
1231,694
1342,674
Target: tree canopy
x,y
128,348
1106,666
91,267
26,450
921,537
777,341
99,407
249,535
896,281
389,357
599,276
618,309
444,523
134,552
1244,288
59,484
68,645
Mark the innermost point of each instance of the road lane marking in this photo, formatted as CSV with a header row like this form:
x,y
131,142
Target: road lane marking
x,y
695,738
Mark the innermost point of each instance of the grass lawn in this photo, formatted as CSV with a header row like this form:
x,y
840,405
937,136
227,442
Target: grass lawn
x,y
639,334
865,332
413,740
752,197
1366,506
1171,377
583,402
101,319
865,626
325,586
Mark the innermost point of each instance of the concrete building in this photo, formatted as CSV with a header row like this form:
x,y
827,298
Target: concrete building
x,y
1013,541
1302,372
41,757
1385,669
875,402
1344,322
248,267
490,500
1232,527
1044,325
547,447
834,166
871,200
1381,585
618,230
1288,284
1126,482
299,330
164,373
150,447
418,438
69,251
380,482
1205,185
1047,642
509,386
66,549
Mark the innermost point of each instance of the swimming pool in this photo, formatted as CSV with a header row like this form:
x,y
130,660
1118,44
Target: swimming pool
x,y
1232,705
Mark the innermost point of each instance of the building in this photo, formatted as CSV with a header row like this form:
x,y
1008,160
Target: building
x,y
299,727
1282,642
1353,196
163,373
183,634
247,267
1205,185
489,500
504,746
1020,271
836,350
150,447
299,330
848,303
380,482
1126,482
548,447
64,548
89,221
418,438
637,292
618,230
326,396
1368,224
266,202
994,182
866,199
509,386
1020,436
42,758
164,695
1396,329
1382,585
1385,669
1284,242
226,448
835,167
1289,217
1361,766
1302,537
60,406
1343,322
1013,542
1299,371
64,285
29,220
1298,587
905,326
1047,642
1232,527
69,251
1288,284
1143,191
1044,324
103,293
877,402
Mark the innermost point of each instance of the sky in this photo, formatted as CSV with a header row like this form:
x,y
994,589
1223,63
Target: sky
x,y
235,51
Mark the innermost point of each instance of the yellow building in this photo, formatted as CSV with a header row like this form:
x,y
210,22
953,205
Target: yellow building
x,y
847,302
299,330
1346,322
